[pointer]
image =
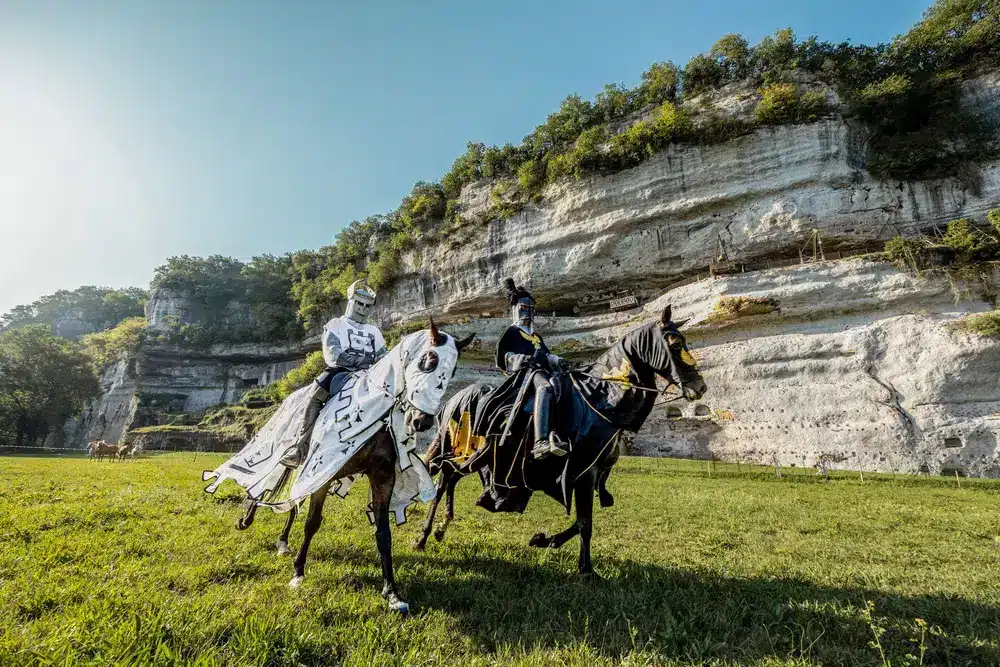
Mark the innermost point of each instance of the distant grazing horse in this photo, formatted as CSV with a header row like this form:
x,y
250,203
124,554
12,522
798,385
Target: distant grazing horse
x,y
364,428
128,449
102,448
614,394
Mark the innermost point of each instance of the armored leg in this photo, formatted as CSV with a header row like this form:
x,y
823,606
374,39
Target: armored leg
x,y
296,454
547,441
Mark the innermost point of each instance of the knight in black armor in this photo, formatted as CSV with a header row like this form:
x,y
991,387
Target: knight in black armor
x,y
349,344
521,345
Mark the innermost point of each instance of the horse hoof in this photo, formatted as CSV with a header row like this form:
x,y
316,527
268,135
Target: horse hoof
x,y
591,575
539,540
283,549
439,534
296,581
419,545
240,525
607,500
398,606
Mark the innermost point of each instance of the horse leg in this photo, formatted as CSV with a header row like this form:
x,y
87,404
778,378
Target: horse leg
x,y
282,545
583,493
382,479
449,509
246,520
543,541
313,522
439,492
607,500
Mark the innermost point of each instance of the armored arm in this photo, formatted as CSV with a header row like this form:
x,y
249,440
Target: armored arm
x,y
514,361
336,356
332,348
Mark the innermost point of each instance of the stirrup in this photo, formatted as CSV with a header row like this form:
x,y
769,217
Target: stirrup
x,y
551,447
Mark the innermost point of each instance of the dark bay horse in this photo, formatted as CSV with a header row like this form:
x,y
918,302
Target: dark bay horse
x,y
419,378
613,395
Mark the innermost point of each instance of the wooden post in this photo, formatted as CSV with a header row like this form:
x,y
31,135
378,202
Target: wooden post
x,y
862,473
957,480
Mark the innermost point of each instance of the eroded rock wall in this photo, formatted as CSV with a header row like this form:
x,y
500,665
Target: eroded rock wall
x,y
641,229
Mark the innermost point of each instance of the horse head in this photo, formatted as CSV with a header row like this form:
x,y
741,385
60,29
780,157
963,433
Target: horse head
x,y
665,350
430,361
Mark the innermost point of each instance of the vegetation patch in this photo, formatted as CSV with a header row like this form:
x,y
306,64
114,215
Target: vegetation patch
x,y
111,345
92,308
966,251
734,307
983,324
227,422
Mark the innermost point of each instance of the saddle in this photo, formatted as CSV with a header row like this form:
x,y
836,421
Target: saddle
x,y
505,418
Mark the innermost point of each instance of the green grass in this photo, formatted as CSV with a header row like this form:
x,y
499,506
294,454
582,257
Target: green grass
x,y
130,563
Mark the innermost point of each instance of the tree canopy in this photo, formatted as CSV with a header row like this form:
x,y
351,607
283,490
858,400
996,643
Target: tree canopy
x,y
44,380
95,308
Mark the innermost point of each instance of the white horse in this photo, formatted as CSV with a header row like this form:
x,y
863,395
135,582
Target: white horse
x,y
366,427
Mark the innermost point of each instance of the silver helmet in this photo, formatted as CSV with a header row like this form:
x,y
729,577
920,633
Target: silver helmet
x,y
360,301
522,305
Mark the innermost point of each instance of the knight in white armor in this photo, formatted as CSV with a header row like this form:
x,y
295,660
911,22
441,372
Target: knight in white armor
x,y
349,344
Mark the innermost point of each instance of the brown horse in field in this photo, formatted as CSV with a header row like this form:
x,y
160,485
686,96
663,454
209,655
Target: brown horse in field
x,y
102,448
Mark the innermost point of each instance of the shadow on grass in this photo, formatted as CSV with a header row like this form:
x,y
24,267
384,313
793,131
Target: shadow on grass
x,y
503,603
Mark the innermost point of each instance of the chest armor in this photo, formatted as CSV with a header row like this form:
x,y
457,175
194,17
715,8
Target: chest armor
x,y
355,337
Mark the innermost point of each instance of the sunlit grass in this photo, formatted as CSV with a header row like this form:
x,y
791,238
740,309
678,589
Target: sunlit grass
x,y
130,563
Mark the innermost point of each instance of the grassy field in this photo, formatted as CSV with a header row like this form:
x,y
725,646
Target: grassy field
x,y
130,563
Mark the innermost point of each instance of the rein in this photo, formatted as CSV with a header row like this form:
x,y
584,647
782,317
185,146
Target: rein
x,y
629,385
619,382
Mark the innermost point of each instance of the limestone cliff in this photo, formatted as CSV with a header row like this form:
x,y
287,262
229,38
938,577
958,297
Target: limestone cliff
x,y
161,382
859,367
759,196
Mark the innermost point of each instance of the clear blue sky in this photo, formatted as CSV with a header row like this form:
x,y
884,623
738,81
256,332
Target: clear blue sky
x,y
133,130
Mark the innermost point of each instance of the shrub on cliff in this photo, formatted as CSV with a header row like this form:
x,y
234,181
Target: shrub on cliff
x,y
734,56
812,106
984,324
660,83
778,105
702,73
108,346
300,376
733,307
531,176
907,253
774,55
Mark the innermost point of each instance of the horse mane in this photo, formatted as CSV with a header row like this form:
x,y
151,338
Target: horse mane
x,y
625,343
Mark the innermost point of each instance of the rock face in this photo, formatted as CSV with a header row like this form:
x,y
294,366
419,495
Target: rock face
x,y
162,380
643,229
109,416
862,368
167,308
